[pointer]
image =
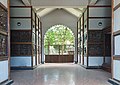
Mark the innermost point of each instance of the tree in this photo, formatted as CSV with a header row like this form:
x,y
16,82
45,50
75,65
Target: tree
x,y
59,35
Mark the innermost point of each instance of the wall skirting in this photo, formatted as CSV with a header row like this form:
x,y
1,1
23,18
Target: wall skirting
x,y
113,82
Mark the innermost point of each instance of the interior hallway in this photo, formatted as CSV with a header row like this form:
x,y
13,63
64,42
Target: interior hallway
x,y
60,74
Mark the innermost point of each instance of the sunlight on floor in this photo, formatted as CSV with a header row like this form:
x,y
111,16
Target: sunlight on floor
x,y
60,74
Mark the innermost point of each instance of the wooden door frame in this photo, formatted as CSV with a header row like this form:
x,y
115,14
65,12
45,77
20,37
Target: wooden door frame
x,y
8,5
77,42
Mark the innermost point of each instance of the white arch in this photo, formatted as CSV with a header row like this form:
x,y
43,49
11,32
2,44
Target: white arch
x,y
75,42
50,28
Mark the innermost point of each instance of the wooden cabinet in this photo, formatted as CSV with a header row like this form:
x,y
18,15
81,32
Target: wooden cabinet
x,y
4,44
25,37
3,33
91,35
78,41
95,43
59,58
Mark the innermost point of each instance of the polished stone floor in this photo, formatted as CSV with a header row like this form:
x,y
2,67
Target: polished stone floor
x,y
60,74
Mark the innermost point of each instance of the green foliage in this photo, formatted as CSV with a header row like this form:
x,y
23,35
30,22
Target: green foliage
x,y
59,35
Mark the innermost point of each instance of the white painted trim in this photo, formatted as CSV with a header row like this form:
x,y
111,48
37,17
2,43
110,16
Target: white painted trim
x,y
3,70
93,2
45,11
26,2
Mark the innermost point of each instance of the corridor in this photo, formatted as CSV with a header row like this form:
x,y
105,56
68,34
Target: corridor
x,y
60,74
94,25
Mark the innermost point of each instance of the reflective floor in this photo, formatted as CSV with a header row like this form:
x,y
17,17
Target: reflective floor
x,y
60,74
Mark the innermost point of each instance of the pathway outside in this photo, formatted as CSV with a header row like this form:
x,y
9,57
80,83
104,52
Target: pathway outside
x,y
60,74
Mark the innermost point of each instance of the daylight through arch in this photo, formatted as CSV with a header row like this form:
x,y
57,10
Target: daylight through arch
x,y
59,39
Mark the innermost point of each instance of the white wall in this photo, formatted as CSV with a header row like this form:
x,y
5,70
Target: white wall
x,y
75,55
85,16
85,60
81,59
117,45
117,20
59,17
20,61
16,3
116,2
25,24
108,59
93,24
34,61
100,12
4,2
104,2
116,69
20,12
60,3
3,70
95,60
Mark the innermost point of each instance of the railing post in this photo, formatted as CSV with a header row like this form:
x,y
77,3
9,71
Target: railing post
x,y
59,49
48,50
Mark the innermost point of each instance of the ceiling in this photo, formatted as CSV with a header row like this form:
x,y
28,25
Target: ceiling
x,y
74,7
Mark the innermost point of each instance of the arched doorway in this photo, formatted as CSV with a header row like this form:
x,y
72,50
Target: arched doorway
x,y
59,45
